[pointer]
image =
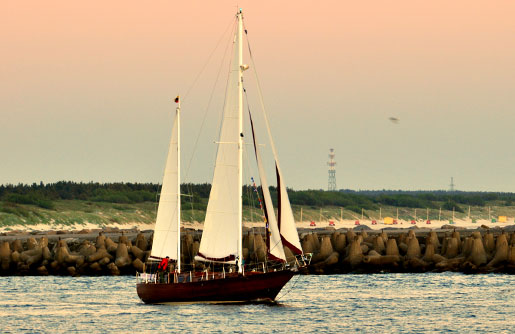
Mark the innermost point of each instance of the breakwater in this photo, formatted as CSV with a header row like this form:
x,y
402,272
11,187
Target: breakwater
x,y
469,251
334,251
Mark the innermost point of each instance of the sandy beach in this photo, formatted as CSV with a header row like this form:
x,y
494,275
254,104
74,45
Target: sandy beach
x,y
346,223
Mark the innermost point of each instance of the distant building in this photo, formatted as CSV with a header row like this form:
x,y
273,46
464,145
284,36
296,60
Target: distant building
x,y
331,186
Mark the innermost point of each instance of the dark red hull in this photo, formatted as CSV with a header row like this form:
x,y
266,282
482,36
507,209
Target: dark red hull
x,y
256,287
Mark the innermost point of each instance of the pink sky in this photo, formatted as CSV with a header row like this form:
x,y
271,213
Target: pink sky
x,y
85,88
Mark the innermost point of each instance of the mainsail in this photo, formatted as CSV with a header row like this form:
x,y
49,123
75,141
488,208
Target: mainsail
x,y
166,231
220,239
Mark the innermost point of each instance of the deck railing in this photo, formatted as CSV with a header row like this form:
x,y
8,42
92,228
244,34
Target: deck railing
x,y
191,274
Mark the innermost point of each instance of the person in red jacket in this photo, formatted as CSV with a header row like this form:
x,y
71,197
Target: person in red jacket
x,y
163,265
162,268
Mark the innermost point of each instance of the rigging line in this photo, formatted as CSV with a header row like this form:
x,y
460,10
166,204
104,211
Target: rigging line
x,y
253,182
190,193
279,242
246,34
246,151
206,111
260,94
156,201
158,190
231,42
248,108
247,159
290,289
195,146
267,123
221,119
207,61
248,168
249,189
251,205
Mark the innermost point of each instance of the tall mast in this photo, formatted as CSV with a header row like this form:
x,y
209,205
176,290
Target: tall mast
x,y
178,110
222,235
168,212
240,139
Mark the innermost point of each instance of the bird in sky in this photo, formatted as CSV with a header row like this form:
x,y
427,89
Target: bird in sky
x,y
394,120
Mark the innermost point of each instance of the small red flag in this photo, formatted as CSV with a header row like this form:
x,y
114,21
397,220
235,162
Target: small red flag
x,y
177,99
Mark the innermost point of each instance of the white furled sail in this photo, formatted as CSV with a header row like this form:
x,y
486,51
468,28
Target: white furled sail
x,y
274,244
166,231
221,238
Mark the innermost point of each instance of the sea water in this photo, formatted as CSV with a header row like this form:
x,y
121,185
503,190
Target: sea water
x,y
381,303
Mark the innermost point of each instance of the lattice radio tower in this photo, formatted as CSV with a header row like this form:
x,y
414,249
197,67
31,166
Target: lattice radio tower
x,y
452,185
332,171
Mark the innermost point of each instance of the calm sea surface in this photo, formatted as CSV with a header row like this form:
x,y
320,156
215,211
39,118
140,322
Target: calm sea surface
x,y
383,303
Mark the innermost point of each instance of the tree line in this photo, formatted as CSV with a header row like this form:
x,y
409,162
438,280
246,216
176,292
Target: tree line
x,y
43,195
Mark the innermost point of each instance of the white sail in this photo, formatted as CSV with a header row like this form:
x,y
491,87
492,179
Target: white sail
x,y
166,231
287,228
286,222
222,227
275,246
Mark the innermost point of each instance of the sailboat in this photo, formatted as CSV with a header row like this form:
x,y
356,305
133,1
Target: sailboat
x,y
230,279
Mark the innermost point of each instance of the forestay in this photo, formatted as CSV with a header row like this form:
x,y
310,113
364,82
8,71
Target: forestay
x,y
286,222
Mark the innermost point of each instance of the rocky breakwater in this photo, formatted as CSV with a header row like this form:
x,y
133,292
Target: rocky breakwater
x,y
360,252
84,254
73,256
342,251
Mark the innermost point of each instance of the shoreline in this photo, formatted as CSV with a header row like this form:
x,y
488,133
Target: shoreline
x,y
305,225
